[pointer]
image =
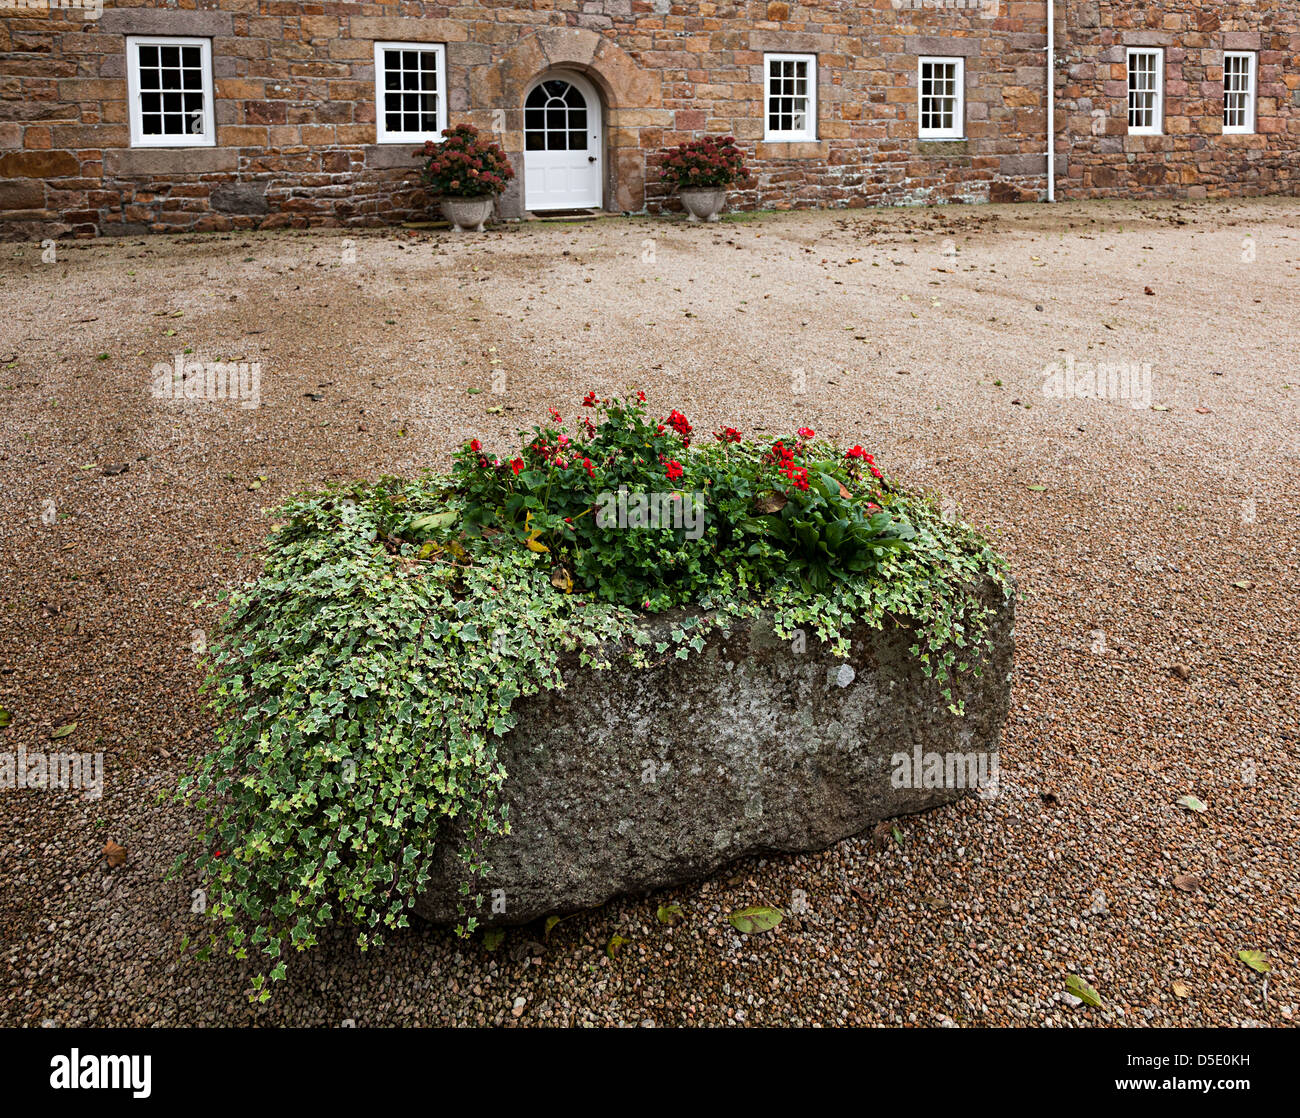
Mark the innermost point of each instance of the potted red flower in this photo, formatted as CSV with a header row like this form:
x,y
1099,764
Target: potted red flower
x,y
468,173
701,170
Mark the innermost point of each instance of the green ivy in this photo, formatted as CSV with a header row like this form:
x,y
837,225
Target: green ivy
x,y
362,684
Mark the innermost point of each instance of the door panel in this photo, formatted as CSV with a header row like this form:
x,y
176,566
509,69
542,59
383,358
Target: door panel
x,y
562,144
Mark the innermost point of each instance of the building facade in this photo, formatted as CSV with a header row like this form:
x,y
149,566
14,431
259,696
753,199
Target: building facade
x,y
128,117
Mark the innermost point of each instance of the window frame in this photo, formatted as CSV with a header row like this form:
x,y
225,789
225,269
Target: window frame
x,y
135,110
382,134
1157,127
1251,91
790,136
958,130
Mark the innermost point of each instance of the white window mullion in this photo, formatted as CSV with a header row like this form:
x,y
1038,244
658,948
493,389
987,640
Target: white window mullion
x,y
1239,92
410,92
789,97
1146,91
169,91
941,98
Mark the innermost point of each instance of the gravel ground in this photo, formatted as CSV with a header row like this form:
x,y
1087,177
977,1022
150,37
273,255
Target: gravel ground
x,y
1151,544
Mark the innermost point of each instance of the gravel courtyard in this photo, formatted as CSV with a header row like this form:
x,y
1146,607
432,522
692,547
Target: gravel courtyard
x,y
1154,539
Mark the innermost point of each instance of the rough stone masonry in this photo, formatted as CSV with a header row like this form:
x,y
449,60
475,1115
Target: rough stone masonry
x,y
629,781
294,103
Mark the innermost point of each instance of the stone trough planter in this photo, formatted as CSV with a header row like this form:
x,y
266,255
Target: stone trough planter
x,y
703,205
630,781
468,214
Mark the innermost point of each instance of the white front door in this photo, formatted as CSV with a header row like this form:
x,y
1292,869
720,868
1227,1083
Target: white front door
x,y
562,144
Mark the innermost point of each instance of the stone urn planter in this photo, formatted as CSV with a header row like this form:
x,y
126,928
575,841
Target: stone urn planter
x,y
629,781
703,205
468,214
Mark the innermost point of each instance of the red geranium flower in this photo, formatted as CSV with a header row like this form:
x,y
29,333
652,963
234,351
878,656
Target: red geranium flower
x,y
673,469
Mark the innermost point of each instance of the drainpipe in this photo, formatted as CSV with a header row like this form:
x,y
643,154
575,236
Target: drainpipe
x,y
1051,100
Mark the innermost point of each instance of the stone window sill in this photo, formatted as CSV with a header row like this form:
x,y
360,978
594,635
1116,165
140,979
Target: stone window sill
x,y
792,149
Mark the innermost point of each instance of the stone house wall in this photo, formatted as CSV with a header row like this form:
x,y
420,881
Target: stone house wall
x,y
295,103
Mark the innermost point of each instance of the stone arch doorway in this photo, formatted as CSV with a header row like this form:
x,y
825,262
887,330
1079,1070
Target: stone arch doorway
x,y
563,143
631,96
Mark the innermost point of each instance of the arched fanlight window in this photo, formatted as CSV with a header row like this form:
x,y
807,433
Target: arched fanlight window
x,y
555,117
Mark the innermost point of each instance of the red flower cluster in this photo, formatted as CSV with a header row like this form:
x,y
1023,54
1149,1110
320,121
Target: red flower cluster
x,y
589,400
680,424
704,164
727,435
464,166
782,457
673,469
869,459
806,432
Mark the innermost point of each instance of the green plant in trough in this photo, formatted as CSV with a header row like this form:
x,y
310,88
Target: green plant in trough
x,y
362,683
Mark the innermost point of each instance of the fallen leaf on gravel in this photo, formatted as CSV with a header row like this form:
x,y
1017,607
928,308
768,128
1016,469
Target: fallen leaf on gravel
x,y
1202,411
1182,671
615,945
63,731
669,914
120,468
1159,407
1147,291
493,938
1187,882
1181,991
1191,803
551,921
5,718
1256,960
759,918
1081,990
1244,584
1037,488
115,854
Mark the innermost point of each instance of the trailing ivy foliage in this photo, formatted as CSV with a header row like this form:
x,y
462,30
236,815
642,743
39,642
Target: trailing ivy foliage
x,y
362,684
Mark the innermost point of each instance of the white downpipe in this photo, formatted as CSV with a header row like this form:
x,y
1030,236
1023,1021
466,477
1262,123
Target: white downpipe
x,y
1051,100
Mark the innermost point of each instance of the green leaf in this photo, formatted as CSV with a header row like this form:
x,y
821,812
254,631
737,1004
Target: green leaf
x,y
1256,960
433,522
669,914
751,921
64,731
1081,990
615,945
1191,803
5,718
493,938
